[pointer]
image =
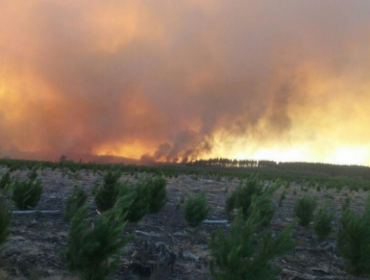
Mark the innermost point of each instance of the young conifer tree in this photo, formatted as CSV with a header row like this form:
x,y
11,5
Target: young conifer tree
x,y
158,193
140,193
246,252
26,194
282,198
346,203
93,252
75,202
304,209
106,194
196,209
323,221
5,217
241,198
5,180
32,175
353,240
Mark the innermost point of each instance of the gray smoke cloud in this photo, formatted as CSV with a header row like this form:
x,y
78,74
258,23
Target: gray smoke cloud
x,y
177,80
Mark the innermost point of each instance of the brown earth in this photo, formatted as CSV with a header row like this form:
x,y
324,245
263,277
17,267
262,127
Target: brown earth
x,y
32,250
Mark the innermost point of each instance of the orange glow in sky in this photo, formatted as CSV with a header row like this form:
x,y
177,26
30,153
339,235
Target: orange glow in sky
x,y
175,80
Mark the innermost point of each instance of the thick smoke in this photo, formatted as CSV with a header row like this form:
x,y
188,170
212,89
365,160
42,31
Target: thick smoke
x,y
176,80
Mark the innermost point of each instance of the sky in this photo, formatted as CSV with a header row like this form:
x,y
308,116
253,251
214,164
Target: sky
x,y
179,80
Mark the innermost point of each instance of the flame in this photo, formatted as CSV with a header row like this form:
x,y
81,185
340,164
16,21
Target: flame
x,y
131,150
185,79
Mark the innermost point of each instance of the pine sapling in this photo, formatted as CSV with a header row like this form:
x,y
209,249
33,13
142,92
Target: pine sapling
x,y
346,204
242,195
304,209
140,193
245,252
158,193
74,202
264,206
353,240
241,198
287,185
5,217
5,180
106,194
196,210
323,221
26,194
32,175
231,201
93,252
282,197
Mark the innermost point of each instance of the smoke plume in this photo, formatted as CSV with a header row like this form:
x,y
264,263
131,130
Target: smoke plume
x,y
177,80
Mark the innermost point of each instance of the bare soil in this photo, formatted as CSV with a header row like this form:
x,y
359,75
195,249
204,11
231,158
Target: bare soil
x,y
32,250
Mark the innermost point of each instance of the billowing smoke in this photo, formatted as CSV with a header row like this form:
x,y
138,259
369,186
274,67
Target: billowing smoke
x,y
176,80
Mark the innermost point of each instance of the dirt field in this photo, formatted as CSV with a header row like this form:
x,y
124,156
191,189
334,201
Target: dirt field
x,y
32,250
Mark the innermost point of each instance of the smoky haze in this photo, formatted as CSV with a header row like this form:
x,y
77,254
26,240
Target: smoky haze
x,y
177,80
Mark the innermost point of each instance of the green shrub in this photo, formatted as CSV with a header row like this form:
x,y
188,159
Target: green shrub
x,y
95,188
5,180
353,240
246,253
322,222
140,194
14,167
304,209
106,194
230,201
158,193
218,177
93,252
282,197
5,217
32,175
346,203
354,187
242,197
196,209
26,194
74,202
264,206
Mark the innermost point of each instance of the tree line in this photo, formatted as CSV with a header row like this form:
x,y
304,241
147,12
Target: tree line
x,y
324,168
